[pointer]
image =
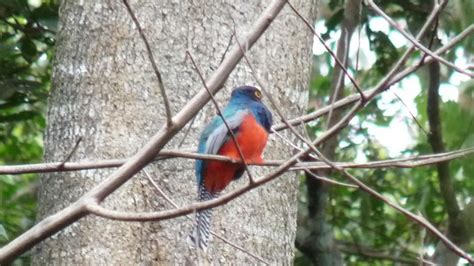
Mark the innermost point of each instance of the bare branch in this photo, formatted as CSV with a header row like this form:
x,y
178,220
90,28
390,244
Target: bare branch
x,y
414,41
409,162
336,59
71,153
166,102
387,81
461,36
95,208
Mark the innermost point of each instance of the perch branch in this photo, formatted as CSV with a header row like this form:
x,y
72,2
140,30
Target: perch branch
x,y
409,162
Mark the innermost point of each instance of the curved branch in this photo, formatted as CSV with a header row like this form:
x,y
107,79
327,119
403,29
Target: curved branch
x,y
94,207
225,240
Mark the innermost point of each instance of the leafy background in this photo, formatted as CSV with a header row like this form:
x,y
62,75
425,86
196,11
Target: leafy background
x,y
27,34
362,226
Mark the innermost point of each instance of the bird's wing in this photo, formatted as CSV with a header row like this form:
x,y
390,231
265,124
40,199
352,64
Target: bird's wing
x,y
216,134
220,134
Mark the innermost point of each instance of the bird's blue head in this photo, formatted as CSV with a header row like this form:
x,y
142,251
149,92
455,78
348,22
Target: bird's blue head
x,y
251,98
247,93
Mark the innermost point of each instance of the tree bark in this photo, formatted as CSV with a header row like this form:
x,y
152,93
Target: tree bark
x,y
105,92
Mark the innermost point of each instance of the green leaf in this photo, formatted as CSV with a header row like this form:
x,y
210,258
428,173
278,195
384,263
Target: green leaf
x,y
386,52
21,116
3,232
28,49
7,179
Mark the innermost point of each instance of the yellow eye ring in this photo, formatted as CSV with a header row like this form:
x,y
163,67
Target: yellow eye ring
x,y
258,94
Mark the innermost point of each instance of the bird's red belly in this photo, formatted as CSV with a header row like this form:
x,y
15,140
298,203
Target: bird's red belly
x,y
252,138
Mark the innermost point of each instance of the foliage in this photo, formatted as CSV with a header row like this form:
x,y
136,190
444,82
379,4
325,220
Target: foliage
x,y
27,31
357,219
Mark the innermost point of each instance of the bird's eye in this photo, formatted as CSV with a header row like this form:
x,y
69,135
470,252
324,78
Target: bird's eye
x,y
258,94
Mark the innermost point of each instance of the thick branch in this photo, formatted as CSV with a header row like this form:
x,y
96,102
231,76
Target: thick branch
x,y
457,229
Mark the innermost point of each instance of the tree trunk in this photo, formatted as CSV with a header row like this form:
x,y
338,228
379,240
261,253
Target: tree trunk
x,y
315,236
105,92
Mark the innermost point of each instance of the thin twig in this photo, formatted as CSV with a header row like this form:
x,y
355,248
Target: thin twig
x,y
307,170
413,117
169,120
386,81
338,62
71,153
432,38
415,42
454,41
186,133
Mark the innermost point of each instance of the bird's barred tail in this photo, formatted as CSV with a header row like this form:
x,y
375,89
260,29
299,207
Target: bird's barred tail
x,y
202,230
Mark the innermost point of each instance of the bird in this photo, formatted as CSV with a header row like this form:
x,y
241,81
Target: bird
x,y
250,121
